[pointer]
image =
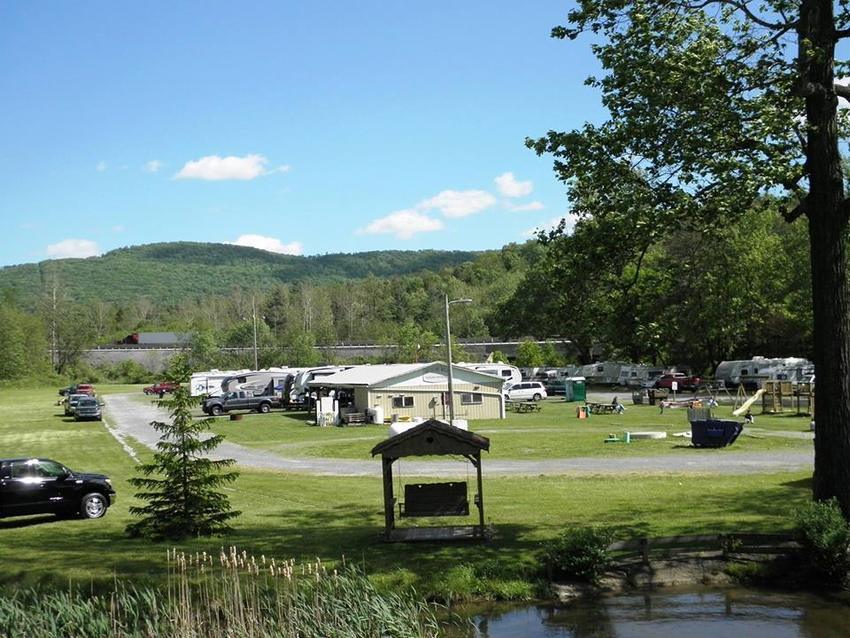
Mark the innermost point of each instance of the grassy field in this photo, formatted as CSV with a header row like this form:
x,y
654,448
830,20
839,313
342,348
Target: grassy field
x,y
554,432
291,515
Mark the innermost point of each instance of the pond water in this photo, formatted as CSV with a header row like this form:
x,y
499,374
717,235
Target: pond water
x,y
668,613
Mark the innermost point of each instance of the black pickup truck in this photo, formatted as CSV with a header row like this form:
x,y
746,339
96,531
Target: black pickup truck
x,y
241,400
43,486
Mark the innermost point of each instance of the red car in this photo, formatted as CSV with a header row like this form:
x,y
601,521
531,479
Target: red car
x,y
84,388
683,381
161,388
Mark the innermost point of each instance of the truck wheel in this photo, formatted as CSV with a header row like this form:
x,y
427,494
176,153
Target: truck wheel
x,y
263,408
93,505
216,410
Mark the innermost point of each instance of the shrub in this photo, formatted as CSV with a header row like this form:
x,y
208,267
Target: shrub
x,y
824,534
579,553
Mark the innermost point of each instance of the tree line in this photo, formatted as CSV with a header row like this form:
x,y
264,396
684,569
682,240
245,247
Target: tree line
x,y
688,297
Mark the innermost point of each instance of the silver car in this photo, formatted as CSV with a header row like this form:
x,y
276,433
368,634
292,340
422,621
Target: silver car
x,y
71,402
88,408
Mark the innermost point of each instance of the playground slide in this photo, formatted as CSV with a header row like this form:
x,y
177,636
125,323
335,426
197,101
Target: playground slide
x,y
746,406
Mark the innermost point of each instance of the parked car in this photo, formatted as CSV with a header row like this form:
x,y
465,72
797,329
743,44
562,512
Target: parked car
x,y
525,391
683,381
88,408
161,388
43,486
241,400
71,402
84,388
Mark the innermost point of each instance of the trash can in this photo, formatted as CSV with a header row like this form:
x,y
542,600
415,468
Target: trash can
x,y
714,432
637,397
575,389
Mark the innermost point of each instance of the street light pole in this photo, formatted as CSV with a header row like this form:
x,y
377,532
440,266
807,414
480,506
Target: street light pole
x,y
254,316
449,357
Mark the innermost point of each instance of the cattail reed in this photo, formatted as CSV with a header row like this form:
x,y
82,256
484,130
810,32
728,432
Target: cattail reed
x,y
235,596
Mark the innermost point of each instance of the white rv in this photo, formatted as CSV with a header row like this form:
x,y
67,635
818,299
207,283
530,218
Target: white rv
x,y
603,372
258,381
209,383
754,372
633,375
300,389
506,372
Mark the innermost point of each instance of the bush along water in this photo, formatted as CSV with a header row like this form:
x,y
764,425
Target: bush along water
x,y
579,553
824,535
231,595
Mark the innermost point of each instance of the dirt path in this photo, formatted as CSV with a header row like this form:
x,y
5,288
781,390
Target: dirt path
x,y
131,418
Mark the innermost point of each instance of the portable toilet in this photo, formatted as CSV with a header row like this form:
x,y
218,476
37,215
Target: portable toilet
x,y
575,389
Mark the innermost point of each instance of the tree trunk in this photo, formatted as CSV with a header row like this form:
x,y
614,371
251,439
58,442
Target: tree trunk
x,y
828,239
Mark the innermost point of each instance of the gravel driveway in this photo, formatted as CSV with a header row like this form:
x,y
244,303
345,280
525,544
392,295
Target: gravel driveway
x,y
129,417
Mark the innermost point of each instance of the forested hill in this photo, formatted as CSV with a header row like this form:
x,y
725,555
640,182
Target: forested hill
x,y
171,272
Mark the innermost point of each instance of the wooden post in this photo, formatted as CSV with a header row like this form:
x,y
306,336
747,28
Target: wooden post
x,y
389,499
477,463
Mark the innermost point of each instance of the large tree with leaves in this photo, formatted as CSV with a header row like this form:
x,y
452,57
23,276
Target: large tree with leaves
x,y
181,485
714,103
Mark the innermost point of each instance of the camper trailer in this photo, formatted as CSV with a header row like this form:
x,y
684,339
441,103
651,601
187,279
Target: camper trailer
x,y
300,389
209,383
633,375
752,373
729,372
603,372
508,373
258,381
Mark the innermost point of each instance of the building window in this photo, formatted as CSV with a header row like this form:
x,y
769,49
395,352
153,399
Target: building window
x,y
402,402
471,398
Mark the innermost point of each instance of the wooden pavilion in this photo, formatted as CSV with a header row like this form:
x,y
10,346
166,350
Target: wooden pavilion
x,y
432,438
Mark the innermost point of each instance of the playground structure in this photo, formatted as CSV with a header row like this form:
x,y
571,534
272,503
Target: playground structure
x,y
800,396
778,397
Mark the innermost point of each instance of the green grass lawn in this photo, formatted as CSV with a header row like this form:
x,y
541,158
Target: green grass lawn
x,y
290,515
554,432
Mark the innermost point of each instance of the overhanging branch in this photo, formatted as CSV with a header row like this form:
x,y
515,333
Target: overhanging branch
x,y
842,91
795,213
743,8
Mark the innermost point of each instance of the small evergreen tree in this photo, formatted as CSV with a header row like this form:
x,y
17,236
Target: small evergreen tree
x,y
180,484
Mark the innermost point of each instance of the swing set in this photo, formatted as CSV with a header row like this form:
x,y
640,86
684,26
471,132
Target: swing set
x,y
432,500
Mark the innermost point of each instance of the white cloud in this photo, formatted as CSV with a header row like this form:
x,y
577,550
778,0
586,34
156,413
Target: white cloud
x,y
459,203
215,168
118,229
509,186
271,244
535,205
72,248
153,166
569,227
101,166
404,224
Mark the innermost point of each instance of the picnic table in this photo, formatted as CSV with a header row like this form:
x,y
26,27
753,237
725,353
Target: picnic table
x,y
603,408
522,406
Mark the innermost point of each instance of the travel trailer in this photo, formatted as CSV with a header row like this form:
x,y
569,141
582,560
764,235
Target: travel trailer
x,y
258,381
754,372
508,373
209,383
300,388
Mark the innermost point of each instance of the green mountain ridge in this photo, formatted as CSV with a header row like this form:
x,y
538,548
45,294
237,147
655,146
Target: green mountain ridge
x,y
174,271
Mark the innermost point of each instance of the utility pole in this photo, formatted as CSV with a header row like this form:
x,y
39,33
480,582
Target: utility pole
x,y
449,357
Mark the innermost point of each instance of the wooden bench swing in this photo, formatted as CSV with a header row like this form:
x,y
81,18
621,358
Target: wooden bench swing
x,y
426,500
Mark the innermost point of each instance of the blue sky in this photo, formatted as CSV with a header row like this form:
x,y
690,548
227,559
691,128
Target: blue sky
x,y
309,127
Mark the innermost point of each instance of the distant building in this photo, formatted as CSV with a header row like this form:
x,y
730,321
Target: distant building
x,y
409,391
